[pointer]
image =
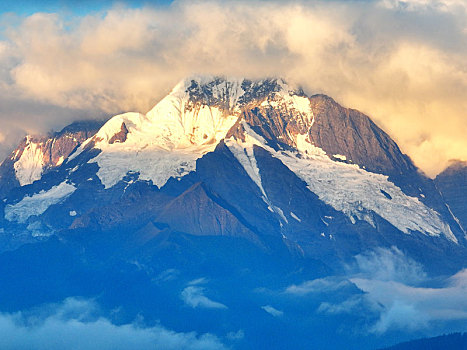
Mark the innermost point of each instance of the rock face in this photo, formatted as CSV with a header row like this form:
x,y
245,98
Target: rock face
x,y
119,136
256,160
195,209
350,133
37,155
452,183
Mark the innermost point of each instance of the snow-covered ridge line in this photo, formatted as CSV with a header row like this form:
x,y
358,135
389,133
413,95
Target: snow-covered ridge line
x,y
246,157
200,112
164,143
39,154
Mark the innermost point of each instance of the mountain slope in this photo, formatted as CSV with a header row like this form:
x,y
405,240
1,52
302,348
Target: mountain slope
x,y
269,163
449,341
452,183
36,155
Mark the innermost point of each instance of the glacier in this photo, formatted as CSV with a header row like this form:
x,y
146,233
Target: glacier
x,y
38,203
352,190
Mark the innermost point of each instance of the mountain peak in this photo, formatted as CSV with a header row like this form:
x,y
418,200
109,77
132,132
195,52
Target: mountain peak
x,y
36,155
230,92
187,123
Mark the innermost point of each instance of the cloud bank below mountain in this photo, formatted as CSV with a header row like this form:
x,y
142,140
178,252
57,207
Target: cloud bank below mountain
x,y
396,292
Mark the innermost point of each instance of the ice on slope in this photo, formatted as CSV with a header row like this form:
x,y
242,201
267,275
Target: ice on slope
x,y
164,143
29,167
292,214
352,190
246,157
340,156
38,203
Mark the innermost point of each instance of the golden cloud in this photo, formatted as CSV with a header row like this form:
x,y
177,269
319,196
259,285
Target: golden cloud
x,y
404,63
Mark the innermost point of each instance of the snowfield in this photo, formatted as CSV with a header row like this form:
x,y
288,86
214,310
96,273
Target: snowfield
x,y
38,203
28,168
347,188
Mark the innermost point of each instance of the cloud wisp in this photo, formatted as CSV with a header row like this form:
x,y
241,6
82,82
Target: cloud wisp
x,y
319,285
402,62
272,311
194,297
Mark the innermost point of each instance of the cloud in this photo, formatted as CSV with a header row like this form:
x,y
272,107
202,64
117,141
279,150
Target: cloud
x,y
272,311
404,293
402,62
319,285
198,281
392,264
239,335
397,292
347,306
75,324
167,275
412,308
194,296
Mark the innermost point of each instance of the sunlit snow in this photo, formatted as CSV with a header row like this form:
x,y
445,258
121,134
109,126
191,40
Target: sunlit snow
x,y
37,203
28,168
340,156
164,143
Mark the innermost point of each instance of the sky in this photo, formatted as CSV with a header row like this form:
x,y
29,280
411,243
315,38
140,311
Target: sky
x,y
403,63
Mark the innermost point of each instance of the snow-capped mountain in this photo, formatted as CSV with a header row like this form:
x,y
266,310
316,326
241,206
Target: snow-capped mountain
x,y
36,155
234,197
259,160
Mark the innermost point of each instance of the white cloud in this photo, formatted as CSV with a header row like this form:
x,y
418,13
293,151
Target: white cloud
x,y
74,325
396,290
319,285
402,62
384,264
167,275
409,307
272,311
346,306
238,335
194,297
198,281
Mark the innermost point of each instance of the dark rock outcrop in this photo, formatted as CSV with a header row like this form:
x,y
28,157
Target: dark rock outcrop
x,y
119,136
